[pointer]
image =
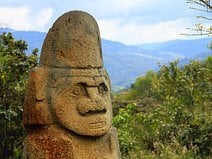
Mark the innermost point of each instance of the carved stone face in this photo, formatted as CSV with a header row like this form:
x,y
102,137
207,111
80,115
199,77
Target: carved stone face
x,y
82,104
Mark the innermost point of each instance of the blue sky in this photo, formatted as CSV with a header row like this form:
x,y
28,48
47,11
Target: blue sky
x,y
127,21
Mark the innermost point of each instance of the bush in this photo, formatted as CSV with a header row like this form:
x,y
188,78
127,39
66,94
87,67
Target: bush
x,y
181,127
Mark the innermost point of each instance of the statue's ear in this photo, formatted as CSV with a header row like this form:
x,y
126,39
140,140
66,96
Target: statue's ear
x,y
39,79
36,110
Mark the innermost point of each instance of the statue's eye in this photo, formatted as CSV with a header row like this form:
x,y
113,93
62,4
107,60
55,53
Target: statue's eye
x,y
79,90
102,89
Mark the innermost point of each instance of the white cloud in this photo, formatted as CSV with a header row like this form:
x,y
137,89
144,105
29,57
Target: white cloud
x,y
123,5
128,21
43,18
108,8
23,18
133,32
14,17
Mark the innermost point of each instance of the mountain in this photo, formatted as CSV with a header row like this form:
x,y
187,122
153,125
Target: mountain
x,y
34,39
124,62
186,48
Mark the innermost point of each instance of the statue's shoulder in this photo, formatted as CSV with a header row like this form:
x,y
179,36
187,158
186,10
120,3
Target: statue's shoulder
x,y
48,143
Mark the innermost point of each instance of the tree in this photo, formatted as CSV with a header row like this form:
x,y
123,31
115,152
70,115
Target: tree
x,y
141,88
205,7
186,94
14,68
142,84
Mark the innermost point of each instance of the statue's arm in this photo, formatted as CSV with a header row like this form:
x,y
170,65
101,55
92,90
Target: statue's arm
x,y
47,147
115,144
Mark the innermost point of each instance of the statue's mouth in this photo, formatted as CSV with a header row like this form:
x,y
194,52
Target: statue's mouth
x,y
94,112
97,125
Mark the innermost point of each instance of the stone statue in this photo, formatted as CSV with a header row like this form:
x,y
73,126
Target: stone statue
x,y
67,110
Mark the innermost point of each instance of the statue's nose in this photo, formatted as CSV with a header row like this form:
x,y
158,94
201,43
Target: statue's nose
x,y
94,104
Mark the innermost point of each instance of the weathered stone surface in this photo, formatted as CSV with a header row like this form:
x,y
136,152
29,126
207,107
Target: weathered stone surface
x,y
67,110
73,41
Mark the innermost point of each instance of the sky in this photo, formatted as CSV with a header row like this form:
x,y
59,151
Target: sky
x,y
127,21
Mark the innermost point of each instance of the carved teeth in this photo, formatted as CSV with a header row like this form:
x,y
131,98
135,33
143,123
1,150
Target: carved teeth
x,y
97,125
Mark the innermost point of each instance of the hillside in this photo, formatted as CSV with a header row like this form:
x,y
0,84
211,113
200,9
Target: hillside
x,y
123,62
186,48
